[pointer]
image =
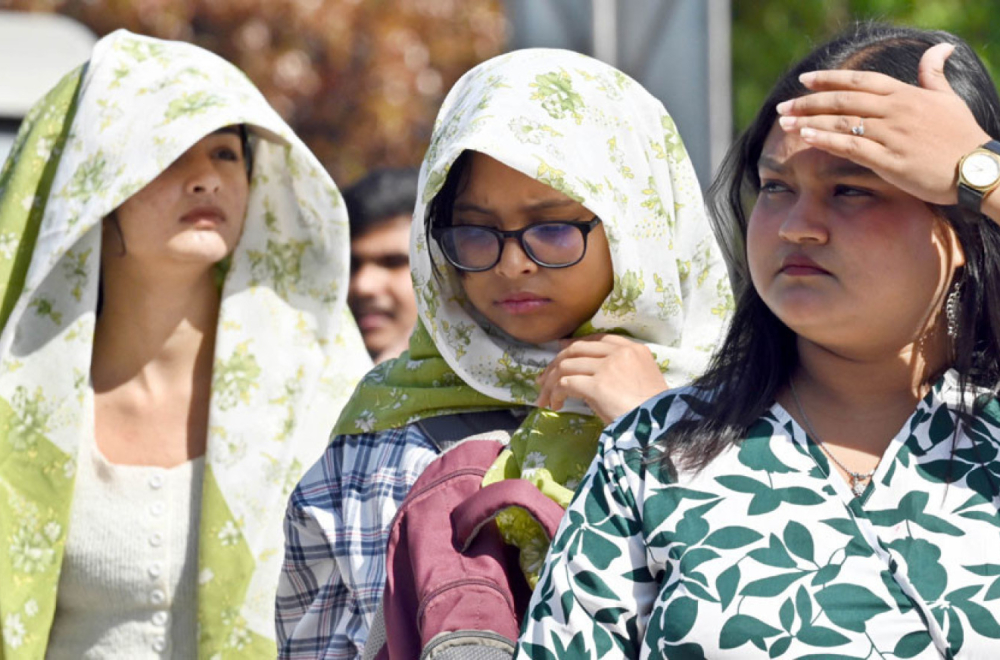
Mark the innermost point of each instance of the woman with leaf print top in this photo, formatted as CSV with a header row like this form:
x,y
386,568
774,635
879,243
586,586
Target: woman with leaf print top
x,y
162,233
830,487
565,271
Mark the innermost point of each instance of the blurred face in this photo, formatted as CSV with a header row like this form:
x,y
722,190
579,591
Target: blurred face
x,y
381,291
193,212
843,258
531,303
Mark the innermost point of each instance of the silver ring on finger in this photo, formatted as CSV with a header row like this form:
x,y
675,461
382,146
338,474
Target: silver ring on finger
x,y
859,130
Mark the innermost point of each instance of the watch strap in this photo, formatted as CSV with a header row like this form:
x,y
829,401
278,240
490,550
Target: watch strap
x,y
993,145
970,198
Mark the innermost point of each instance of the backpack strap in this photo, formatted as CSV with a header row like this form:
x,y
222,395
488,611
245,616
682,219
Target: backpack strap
x,y
483,506
376,635
449,430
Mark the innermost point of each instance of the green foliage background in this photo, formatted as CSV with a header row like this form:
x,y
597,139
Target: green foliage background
x,y
769,35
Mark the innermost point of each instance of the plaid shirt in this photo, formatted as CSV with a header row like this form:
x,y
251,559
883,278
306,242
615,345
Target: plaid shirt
x,y
336,530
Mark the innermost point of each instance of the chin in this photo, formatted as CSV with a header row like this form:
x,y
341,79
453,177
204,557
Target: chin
x,y
204,252
528,330
533,336
207,260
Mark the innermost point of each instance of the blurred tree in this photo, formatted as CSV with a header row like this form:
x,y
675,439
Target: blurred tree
x,y
359,80
768,35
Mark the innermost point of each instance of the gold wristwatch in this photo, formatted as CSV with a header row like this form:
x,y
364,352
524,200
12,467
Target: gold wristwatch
x,y
978,174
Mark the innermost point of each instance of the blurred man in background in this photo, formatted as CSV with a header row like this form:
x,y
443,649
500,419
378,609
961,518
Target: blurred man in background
x,y
381,293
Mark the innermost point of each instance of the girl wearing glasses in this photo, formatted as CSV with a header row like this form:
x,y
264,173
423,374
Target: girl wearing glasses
x,y
564,271
829,488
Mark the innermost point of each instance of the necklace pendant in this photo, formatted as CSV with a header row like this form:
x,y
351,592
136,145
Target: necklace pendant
x,y
858,487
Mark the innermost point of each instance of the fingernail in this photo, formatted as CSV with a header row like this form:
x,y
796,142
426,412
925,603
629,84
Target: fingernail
x,y
808,134
787,123
784,107
807,77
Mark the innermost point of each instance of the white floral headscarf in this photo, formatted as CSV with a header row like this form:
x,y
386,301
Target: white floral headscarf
x,y
287,353
589,131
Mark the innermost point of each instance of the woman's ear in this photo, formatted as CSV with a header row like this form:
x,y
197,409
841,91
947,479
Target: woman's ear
x,y
110,226
954,254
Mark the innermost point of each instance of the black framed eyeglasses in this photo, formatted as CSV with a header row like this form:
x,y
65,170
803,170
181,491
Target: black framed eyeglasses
x,y
473,248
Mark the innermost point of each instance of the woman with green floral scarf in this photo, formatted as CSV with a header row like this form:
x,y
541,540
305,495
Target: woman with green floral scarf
x,y
174,345
565,270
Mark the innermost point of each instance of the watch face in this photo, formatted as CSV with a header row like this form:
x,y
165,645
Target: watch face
x,y
980,170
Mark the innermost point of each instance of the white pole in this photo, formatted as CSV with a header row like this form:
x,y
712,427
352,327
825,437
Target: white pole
x,y
720,92
604,14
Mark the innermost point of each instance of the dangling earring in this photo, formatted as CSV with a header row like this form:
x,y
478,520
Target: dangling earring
x,y
951,309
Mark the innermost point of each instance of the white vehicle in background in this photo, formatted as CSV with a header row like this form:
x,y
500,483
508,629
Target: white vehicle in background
x,y
36,51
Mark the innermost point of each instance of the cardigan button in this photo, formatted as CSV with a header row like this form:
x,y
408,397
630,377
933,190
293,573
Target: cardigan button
x,y
156,539
160,618
155,570
160,645
157,597
156,481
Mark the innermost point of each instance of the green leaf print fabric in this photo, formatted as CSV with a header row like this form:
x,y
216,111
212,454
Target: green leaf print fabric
x,y
587,130
287,353
766,554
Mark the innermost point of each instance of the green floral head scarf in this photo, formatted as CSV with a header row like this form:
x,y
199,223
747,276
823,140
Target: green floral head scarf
x,y
591,132
286,355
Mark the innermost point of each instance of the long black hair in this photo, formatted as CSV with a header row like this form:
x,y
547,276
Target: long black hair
x,y
758,355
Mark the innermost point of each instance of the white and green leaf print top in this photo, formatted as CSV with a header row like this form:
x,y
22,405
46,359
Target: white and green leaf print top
x,y
766,554
287,354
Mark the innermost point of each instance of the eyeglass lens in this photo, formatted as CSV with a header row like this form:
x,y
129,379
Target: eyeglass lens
x,y
549,244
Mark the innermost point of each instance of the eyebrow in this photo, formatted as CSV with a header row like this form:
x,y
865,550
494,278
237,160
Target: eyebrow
x,y
537,206
839,168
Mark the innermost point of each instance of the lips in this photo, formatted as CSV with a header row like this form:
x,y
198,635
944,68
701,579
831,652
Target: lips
x,y
204,215
372,319
799,265
522,303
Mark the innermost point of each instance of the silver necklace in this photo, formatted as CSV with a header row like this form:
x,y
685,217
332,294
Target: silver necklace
x,y
858,479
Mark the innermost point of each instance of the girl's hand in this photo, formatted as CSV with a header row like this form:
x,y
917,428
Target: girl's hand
x,y
612,374
913,136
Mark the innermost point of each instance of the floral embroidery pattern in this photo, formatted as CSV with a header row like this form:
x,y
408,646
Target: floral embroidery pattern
x,y
233,379
627,289
191,104
555,90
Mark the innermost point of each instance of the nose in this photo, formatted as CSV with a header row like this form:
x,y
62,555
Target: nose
x,y
366,282
513,261
202,176
804,222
